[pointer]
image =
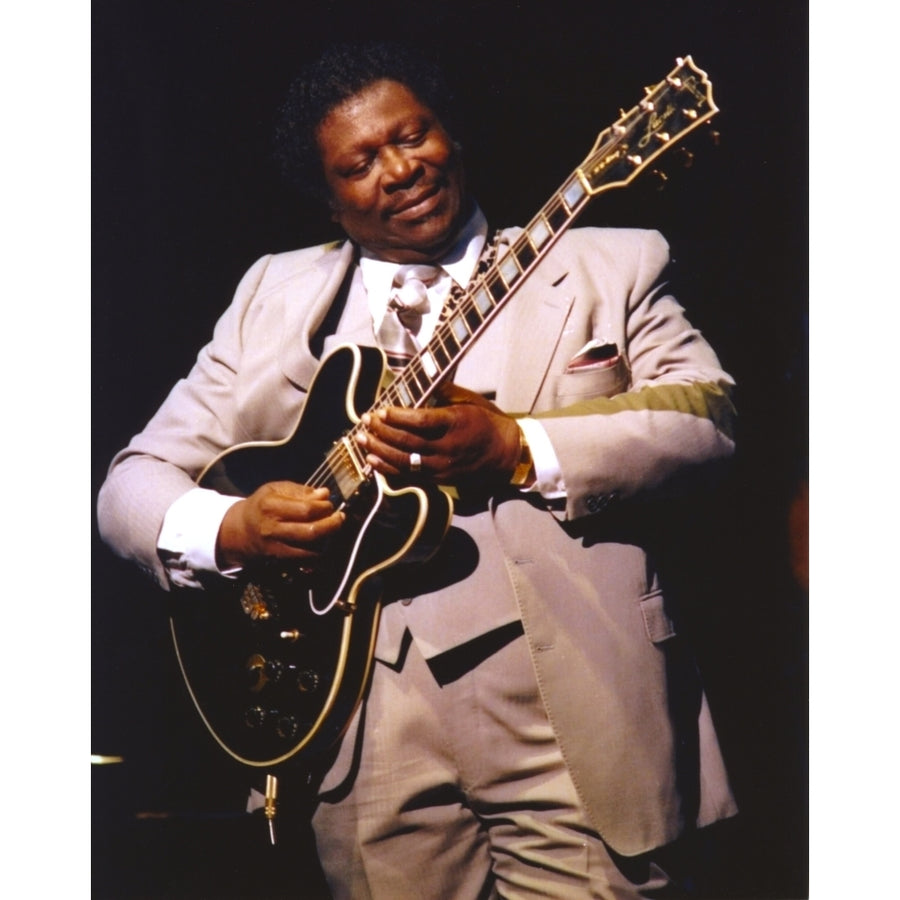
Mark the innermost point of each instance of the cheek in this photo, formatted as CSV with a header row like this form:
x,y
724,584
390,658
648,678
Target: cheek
x,y
442,156
353,199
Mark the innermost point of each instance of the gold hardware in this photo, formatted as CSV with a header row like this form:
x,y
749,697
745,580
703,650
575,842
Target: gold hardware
x,y
271,797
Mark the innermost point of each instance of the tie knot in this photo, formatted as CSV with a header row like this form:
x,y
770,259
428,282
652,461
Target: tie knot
x,y
410,288
426,274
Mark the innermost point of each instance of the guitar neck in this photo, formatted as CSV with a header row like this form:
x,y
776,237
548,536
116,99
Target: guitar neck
x,y
668,111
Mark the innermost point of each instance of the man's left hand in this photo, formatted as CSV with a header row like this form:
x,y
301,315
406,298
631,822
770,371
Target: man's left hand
x,y
466,438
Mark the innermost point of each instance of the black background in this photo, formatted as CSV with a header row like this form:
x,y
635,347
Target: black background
x,y
185,198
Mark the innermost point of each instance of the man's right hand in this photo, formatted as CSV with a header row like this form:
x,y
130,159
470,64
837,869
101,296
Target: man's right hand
x,y
282,520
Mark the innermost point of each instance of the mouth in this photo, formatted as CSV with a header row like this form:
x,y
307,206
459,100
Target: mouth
x,y
418,206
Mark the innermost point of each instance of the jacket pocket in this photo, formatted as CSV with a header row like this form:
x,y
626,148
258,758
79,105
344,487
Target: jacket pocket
x,y
657,623
600,381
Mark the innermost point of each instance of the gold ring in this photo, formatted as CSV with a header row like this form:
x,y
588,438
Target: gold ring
x,y
415,462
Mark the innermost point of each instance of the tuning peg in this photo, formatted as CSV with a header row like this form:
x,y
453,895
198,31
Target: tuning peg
x,y
687,158
714,137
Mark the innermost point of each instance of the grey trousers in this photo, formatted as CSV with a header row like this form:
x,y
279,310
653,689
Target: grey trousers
x,y
453,786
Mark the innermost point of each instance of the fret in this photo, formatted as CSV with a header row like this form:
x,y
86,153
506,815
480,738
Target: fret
x,y
416,381
429,364
524,252
539,232
558,217
459,329
573,193
451,343
438,351
401,390
472,316
497,288
509,268
483,300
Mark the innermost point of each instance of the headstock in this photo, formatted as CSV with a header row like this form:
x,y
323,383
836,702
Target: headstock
x,y
680,103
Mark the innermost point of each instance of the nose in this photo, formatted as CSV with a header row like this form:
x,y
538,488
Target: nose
x,y
400,170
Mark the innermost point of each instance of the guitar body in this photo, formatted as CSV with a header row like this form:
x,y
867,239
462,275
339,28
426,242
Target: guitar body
x,y
277,660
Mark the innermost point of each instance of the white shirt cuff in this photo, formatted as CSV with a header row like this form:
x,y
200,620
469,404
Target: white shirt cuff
x,y
187,540
548,472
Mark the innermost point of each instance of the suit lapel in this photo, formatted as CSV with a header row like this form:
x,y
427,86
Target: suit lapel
x,y
538,311
355,326
321,281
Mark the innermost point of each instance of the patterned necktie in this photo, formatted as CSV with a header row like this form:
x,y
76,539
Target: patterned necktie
x,y
403,318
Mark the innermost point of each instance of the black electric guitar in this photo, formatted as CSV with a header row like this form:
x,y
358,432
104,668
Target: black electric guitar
x,y
277,661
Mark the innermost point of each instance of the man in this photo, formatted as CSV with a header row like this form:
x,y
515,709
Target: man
x,y
533,726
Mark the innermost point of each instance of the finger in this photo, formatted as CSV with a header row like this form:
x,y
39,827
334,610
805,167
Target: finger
x,y
307,536
388,458
292,508
391,461
396,424
388,461
293,492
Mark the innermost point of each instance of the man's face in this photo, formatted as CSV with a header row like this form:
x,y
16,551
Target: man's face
x,y
395,177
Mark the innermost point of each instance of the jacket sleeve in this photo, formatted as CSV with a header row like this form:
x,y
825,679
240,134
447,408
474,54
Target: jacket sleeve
x,y
195,423
675,414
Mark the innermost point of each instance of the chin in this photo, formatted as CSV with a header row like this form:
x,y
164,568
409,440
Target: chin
x,y
436,231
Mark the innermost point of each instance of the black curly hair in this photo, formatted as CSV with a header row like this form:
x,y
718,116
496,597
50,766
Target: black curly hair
x,y
340,72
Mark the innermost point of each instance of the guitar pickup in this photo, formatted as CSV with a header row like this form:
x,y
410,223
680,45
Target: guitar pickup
x,y
347,468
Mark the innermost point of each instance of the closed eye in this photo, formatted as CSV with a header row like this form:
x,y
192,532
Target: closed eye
x,y
361,167
413,140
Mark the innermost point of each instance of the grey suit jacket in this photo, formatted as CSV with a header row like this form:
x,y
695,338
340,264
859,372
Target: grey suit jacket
x,y
622,694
